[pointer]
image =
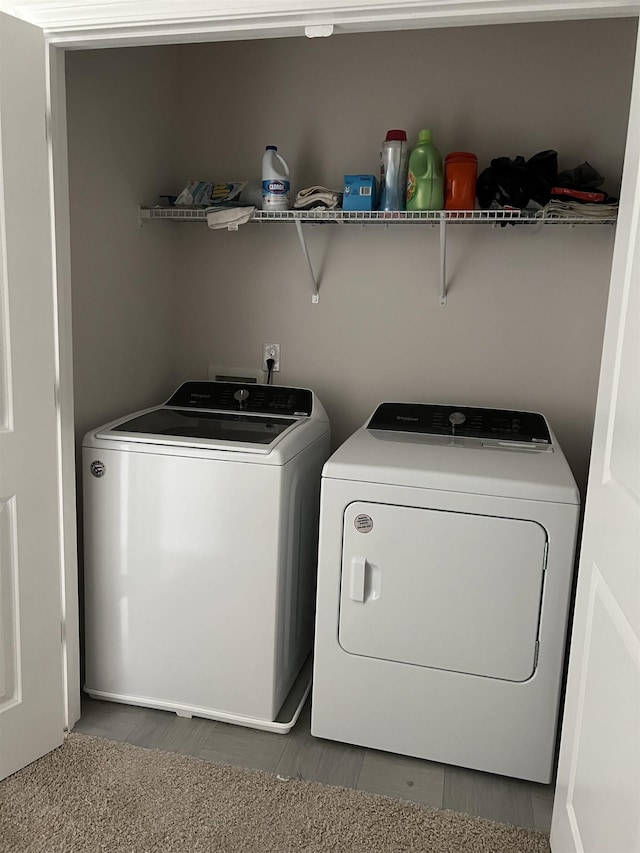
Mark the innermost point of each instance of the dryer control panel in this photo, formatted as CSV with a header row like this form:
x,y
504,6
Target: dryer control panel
x,y
250,399
462,421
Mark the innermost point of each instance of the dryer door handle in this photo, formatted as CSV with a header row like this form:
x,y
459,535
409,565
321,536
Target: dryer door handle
x,y
358,579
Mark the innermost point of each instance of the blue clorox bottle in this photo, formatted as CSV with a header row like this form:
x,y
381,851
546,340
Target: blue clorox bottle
x,y
275,180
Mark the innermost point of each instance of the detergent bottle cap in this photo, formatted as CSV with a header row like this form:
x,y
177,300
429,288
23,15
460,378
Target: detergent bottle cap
x,y
396,136
424,136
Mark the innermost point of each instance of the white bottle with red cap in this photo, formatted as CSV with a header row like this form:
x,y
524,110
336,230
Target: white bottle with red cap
x,y
394,159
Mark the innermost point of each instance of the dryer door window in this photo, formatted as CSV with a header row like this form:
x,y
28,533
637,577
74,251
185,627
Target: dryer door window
x,y
448,590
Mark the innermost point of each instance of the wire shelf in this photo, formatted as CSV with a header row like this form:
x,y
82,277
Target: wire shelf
x,y
183,214
379,217
441,218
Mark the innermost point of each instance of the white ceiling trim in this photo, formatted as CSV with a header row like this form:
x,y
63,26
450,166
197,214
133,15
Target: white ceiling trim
x,y
95,23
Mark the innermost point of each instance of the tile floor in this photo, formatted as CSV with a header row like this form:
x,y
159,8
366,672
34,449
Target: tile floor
x,y
300,754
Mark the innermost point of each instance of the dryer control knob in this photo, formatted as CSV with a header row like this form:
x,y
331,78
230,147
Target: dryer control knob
x,y
241,395
457,418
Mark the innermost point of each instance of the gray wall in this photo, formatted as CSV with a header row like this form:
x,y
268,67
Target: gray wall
x,y
122,151
523,325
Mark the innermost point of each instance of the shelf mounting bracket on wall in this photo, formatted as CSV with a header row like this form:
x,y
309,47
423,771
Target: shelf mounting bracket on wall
x,y
443,261
315,297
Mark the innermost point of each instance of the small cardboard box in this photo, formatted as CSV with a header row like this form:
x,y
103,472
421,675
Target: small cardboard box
x,y
360,192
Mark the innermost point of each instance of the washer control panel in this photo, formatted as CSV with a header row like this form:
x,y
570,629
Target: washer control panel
x,y
232,396
461,421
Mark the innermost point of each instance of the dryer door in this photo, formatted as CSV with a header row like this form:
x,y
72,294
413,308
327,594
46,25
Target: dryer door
x,y
442,589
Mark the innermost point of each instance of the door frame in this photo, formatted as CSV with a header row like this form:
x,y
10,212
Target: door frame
x,y
94,24
67,509
104,23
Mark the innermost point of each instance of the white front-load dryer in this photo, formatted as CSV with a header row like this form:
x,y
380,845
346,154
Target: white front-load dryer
x,y
445,566
200,543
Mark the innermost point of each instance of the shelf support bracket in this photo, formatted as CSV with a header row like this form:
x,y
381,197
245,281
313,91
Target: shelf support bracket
x,y
315,295
443,260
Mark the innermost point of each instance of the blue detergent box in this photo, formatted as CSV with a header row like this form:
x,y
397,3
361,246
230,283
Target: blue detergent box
x,y
360,192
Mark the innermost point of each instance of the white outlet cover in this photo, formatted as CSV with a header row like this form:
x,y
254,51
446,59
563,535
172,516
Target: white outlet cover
x,y
277,356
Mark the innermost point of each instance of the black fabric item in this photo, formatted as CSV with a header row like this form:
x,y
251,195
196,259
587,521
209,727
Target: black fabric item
x,y
545,165
583,177
516,182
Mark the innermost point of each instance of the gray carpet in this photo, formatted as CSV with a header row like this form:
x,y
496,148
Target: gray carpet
x,y
96,796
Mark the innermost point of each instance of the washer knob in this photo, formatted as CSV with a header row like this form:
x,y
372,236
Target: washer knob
x,y
241,395
457,418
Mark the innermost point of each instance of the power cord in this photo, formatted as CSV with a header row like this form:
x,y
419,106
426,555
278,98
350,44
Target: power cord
x,y
270,362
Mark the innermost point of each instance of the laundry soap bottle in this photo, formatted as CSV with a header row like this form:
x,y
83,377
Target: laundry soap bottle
x,y
425,182
275,180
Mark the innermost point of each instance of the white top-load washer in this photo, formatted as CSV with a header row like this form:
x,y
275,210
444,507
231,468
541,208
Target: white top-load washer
x,y
200,542
445,567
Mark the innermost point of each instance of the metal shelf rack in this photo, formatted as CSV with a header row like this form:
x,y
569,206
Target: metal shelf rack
x,y
441,218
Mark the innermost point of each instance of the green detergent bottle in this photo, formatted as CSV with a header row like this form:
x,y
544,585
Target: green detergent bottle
x,y
425,181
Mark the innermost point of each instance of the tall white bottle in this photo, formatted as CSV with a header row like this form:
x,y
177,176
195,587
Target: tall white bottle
x,y
275,180
394,159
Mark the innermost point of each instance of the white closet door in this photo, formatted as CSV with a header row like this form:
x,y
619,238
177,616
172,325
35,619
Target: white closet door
x,y
31,680
448,590
597,804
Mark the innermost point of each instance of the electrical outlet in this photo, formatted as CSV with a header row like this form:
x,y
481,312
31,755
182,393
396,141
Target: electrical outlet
x,y
271,351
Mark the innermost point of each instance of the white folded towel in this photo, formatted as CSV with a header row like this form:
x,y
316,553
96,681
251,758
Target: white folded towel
x,y
558,208
318,197
228,217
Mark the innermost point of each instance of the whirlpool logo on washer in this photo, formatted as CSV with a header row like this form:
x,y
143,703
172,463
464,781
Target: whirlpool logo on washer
x,y
98,469
363,523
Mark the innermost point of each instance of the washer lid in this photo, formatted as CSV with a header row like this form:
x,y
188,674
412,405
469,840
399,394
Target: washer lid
x,y
499,465
273,421
205,426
